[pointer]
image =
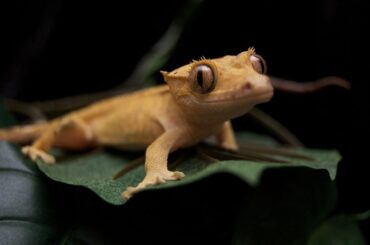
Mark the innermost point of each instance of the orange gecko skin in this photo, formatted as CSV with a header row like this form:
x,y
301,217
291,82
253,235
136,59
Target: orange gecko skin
x,y
198,101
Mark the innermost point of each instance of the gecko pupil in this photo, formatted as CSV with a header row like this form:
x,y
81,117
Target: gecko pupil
x,y
203,78
200,76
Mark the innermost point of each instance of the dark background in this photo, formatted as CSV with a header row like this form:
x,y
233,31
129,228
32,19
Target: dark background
x,y
53,49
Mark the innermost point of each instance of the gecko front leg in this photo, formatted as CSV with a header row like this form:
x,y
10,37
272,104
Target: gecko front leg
x,y
226,137
156,161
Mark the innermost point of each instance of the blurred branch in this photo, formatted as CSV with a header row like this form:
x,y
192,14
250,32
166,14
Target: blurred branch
x,y
150,63
32,112
161,52
308,87
32,46
275,127
153,61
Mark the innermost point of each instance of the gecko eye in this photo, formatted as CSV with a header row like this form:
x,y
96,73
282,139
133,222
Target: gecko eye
x,y
258,63
203,78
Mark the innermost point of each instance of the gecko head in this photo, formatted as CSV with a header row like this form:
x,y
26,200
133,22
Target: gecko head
x,y
230,85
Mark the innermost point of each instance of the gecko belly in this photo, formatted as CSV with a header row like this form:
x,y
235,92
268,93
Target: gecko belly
x,y
134,132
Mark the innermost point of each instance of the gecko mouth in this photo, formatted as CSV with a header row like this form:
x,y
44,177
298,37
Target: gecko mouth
x,y
243,93
257,98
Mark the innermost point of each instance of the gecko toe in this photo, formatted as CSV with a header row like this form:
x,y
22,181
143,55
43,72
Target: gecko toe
x,y
130,191
34,154
178,175
160,180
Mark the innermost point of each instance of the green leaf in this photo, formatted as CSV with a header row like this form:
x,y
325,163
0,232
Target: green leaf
x,y
95,170
338,230
276,194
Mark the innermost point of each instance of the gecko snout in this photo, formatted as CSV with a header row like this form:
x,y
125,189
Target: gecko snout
x,y
247,86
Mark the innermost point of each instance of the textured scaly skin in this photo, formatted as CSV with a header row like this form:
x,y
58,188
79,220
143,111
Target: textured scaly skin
x,y
159,119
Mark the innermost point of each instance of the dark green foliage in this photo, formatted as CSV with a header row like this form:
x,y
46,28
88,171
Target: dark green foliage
x,y
96,170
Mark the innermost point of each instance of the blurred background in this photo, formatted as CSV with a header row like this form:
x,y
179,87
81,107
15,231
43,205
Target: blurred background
x,y
55,49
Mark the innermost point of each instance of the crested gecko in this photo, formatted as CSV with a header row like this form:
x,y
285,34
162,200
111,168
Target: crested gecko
x,y
198,100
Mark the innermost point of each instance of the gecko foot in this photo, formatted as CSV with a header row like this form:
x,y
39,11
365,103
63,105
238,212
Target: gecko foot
x,y
155,178
35,154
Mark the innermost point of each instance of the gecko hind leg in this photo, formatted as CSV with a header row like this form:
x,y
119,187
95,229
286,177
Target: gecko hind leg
x,y
67,133
74,134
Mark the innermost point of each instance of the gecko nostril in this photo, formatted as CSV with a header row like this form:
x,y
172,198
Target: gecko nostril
x,y
247,86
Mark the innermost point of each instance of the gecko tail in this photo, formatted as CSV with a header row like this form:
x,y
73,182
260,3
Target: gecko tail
x,y
22,134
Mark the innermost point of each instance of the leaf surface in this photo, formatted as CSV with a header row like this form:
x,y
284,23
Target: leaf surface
x,y
95,170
